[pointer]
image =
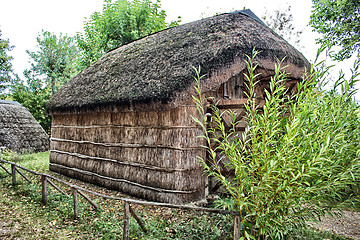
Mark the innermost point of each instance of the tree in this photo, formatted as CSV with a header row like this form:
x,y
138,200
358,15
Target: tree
x,y
35,100
33,94
339,23
54,61
5,63
52,66
119,23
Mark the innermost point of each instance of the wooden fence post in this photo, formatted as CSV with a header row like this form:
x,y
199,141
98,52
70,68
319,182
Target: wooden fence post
x,y
43,189
126,221
76,204
13,174
237,230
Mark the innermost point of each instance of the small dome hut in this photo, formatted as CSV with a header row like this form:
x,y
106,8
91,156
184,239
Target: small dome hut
x,y
19,130
126,123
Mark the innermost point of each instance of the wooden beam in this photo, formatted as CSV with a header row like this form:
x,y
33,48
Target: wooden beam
x,y
126,229
57,188
237,227
138,220
186,207
148,203
13,174
18,166
88,199
127,126
126,163
76,202
216,187
233,103
236,103
5,169
43,189
126,145
124,180
23,175
240,115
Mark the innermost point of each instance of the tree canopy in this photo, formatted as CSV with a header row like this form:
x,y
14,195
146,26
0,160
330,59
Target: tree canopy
x,y
339,23
35,101
119,23
54,60
5,63
52,65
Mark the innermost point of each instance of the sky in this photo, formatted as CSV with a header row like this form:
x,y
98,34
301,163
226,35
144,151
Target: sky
x,y
22,20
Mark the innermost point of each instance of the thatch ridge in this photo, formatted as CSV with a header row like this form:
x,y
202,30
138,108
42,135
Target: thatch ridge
x,y
19,130
157,70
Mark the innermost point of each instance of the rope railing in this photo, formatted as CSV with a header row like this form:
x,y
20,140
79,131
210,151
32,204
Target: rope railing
x,y
77,190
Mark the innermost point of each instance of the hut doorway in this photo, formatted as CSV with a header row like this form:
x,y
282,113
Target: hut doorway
x,y
226,108
230,100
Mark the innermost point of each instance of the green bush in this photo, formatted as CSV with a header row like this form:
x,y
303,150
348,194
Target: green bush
x,y
35,102
297,159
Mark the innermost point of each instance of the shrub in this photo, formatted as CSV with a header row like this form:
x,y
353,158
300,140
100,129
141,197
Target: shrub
x,y
296,158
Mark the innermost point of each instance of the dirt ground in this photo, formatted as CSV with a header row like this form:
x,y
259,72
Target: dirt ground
x,y
347,225
5,228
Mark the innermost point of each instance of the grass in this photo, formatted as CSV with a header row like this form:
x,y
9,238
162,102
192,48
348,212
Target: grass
x,y
23,216
27,218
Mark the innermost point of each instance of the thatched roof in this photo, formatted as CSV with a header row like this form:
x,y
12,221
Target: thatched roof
x,y
19,131
157,69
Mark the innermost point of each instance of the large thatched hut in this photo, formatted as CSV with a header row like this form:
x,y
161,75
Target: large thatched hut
x,y
19,130
126,123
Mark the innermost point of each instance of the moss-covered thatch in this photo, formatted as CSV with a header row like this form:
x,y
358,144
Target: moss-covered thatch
x,y
157,69
19,131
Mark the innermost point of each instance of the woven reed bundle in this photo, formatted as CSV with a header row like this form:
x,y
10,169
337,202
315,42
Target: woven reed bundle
x,y
19,131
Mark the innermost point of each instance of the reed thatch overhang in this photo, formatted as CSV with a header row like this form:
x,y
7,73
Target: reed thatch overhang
x,y
19,130
156,70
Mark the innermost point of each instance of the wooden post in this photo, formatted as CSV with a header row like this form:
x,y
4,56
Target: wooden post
x,y
76,204
13,174
237,226
43,189
126,221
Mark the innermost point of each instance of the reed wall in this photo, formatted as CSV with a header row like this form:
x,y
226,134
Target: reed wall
x,y
152,155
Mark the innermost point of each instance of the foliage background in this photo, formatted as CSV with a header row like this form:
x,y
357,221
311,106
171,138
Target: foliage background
x,y
119,23
339,23
58,58
5,64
